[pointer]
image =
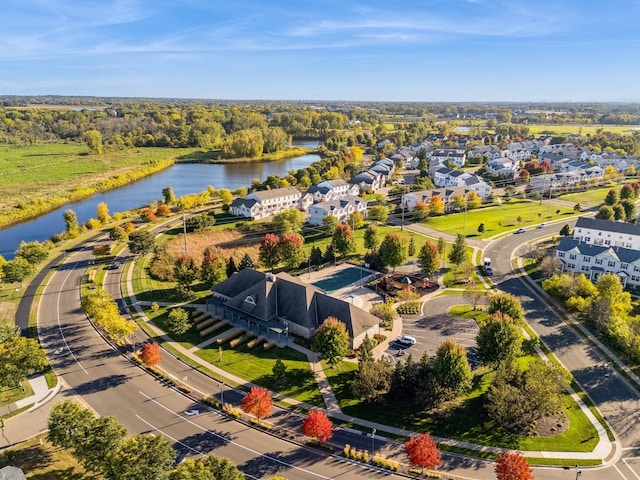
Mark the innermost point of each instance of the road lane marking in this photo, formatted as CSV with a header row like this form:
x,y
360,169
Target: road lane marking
x,y
255,452
619,472
60,325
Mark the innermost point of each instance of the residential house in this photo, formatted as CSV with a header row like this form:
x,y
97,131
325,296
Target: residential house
x,y
340,208
450,156
445,177
490,151
503,166
368,181
265,203
595,231
411,199
281,304
332,190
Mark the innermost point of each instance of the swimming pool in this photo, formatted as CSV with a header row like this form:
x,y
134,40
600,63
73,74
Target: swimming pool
x,y
341,279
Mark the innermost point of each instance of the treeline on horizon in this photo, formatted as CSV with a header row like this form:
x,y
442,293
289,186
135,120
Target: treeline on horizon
x,y
253,128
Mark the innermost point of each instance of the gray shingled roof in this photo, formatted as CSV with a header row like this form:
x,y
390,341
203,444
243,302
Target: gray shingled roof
x,y
608,226
625,255
276,192
238,282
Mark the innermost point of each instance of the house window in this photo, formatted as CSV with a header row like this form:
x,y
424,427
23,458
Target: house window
x,y
571,266
585,268
598,261
607,242
561,255
572,256
611,264
624,266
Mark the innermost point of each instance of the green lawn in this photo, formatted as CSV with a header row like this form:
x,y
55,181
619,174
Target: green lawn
x,y
589,198
499,219
255,365
467,311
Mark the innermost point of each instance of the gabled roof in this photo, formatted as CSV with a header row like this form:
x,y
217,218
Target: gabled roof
x,y
608,226
247,202
239,281
274,193
624,255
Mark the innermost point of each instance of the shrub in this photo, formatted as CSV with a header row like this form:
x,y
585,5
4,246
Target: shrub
x,y
213,328
229,409
201,325
227,337
409,308
268,345
242,339
256,341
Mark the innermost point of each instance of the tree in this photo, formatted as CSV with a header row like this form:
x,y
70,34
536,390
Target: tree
x,y
451,370
499,340
605,213
33,252
565,231
429,257
329,254
611,304
507,304
344,241
481,228
148,216
143,456
141,242
206,468
474,294
185,271
68,422
473,200
512,466
231,267
629,207
436,205
150,354
619,212
394,250
317,425
163,211
329,224
178,321
19,358
612,197
457,202
577,208
225,196
356,220
370,237
331,341
257,402
379,213
118,234
279,371
270,251
372,380
421,211
199,222
213,268
246,262
422,451
169,196
289,221
102,213
71,223
8,330
315,256
458,253
102,435
93,139
412,247
291,250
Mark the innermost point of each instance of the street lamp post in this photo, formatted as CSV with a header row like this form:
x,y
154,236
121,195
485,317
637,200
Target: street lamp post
x,y
578,472
373,439
221,387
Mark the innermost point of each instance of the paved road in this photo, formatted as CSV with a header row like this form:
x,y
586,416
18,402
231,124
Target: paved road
x,y
112,385
615,399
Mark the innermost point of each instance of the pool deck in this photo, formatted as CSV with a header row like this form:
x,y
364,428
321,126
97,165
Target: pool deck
x,y
360,296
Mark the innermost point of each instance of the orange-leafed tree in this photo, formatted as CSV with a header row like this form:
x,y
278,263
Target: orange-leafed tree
x,y
150,354
423,451
512,466
317,425
257,402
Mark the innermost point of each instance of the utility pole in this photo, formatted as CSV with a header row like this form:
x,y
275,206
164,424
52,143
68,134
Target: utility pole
x,y
184,230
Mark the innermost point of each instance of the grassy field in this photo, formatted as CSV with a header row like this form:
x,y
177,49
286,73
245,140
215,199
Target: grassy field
x,y
580,129
499,219
255,365
40,460
590,198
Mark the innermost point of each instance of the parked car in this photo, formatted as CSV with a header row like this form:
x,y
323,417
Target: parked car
x,y
406,340
521,230
488,271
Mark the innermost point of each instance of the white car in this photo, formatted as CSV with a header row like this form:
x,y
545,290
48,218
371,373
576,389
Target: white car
x,y
520,230
542,225
406,340
192,412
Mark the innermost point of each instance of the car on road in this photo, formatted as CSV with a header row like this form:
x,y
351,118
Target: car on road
x,y
192,412
488,271
542,225
406,340
521,230
113,266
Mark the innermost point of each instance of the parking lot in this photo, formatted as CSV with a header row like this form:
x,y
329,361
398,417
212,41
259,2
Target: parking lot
x,y
434,326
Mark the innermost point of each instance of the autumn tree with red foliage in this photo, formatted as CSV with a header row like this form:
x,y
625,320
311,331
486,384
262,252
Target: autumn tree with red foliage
x,y
257,402
317,425
270,251
512,466
423,451
150,354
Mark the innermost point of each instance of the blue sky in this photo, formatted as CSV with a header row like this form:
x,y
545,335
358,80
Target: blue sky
x,y
431,50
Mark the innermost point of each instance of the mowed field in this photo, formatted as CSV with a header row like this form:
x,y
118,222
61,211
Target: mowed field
x,y
54,170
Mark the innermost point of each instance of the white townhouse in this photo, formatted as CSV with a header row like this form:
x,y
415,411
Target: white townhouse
x,y
445,177
332,190
340,208
264,203
368,181
595,231
450,156
595,260
491,151
503,166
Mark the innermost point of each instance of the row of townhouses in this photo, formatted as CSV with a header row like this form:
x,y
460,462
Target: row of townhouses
x,y
330,197
602,246
410,200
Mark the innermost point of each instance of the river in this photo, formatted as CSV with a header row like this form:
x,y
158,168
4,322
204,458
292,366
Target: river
x,y
184,178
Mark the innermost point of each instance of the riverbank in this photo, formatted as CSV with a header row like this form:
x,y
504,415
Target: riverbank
x,y
213,157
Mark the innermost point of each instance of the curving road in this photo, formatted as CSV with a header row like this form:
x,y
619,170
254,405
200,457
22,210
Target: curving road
x,y
111,385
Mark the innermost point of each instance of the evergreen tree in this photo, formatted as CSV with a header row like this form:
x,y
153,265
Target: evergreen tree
x,y
231,267
246,262
315,256
458,253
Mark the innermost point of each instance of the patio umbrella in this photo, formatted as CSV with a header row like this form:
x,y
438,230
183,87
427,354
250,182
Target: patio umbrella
x,y
406,280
